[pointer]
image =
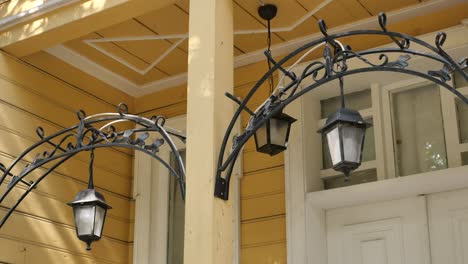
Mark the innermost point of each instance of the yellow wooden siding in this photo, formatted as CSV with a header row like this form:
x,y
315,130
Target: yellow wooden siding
x,y
263,229
42,229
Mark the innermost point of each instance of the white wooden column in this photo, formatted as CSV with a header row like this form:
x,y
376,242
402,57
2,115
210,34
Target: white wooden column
x,y
208,220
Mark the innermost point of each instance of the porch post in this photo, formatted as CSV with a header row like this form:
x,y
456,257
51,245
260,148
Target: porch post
x,y
208,220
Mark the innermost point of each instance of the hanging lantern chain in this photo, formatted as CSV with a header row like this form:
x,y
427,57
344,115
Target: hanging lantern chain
x,y
91,167
270,80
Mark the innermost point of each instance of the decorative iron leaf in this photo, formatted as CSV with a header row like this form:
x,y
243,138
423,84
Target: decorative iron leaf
x,y
125,137
140,141
443,74
401,62
154,147
463,63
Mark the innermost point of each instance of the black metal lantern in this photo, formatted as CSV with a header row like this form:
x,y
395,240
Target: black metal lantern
x,y
345,131
90,209
272,137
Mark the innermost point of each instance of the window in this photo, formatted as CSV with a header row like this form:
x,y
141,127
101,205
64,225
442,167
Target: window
x,y
175,243
418,132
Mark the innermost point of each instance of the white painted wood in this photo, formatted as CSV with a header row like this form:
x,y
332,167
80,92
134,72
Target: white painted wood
x,y
391,189
387,130
142,196
397,231
316,235
90,67
452,137
42,8
448,225
376,95
151,193
295,189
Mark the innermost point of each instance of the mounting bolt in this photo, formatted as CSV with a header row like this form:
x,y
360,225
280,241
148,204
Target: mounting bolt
x,y
267,11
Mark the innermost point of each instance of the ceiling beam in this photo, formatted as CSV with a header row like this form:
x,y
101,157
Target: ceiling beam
x,y
70,22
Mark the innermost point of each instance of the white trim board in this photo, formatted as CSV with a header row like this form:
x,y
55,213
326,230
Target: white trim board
x,y
38,10
125,85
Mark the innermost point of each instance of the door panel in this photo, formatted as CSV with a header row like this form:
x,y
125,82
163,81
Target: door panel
x,y
448,225
392,232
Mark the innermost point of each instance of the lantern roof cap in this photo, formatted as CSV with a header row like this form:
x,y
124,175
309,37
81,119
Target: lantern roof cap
x,y
345,115
89,196
285,117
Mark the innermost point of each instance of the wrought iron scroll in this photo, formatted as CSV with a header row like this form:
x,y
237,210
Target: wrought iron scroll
x,y
334,65
92,132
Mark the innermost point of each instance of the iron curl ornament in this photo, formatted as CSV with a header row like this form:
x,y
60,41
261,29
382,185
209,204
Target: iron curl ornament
x,y
333,65
92,132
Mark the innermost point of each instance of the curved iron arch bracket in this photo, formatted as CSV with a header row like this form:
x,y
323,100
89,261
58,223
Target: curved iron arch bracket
x,y
333,65
92,132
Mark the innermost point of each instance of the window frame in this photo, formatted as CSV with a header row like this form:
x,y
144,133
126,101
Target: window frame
x,y
151,196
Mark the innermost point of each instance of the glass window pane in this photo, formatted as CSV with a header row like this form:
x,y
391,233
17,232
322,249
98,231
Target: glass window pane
x,y
368,153
356,101
355,178
464,158
459,80
419,135
462,116
175,248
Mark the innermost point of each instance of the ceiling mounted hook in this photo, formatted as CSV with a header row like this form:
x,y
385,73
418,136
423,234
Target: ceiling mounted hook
x,y
267,11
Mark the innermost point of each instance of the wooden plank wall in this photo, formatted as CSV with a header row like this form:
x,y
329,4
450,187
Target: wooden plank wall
x,y
263,230
42,229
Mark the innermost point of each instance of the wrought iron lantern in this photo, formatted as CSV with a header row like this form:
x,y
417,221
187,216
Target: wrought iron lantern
x,y
272,137
90,209
345,131
92,132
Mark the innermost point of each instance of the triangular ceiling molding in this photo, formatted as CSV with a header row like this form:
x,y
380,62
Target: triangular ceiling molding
x,y
94,43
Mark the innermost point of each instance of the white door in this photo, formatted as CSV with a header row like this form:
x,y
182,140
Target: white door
x,y
393,232
448,225
430,229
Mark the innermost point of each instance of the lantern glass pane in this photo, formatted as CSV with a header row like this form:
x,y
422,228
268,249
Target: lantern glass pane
x,y
333,140
99,223
84,219
353,138
261,136
278,131
368,153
